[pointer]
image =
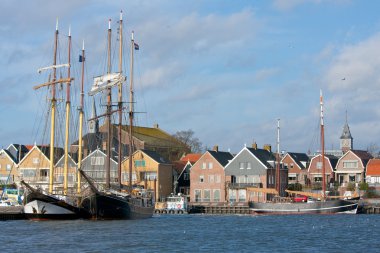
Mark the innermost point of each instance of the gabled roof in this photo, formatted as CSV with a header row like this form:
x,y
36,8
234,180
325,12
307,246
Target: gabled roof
x,y
192,158
373,167
221,156
100,152
155,156
346,134
332,159
362,154
178,166
299,158
263,155
9,155
21,147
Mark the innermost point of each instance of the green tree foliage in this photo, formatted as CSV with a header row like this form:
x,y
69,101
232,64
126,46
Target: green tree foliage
x,y
351,186
188,138
295,187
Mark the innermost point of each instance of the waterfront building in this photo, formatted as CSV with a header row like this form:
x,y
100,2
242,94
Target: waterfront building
x,y
9,172
182,170
373,173
351,167
71,177
297,164
35,166
207,177
150,171
253,168
315,169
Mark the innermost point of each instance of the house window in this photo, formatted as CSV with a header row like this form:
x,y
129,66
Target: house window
x,y
139,163
185,176
197,194
28,173
97,160
203,166
210,165
36,160
319,165
211,178
248,166
216,195
291,165
242,195
351,178
206,196
350,164
201,178
9,167
218,179
241,165
149,176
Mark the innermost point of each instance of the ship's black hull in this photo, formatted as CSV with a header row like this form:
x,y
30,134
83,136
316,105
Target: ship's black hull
x,y
317,207
104,206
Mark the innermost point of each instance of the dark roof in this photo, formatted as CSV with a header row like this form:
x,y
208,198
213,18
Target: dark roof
x,y
346,134
333,160
299,158
10,155
155,156
91,141
263,155
24,149
58,152
221,156
365,156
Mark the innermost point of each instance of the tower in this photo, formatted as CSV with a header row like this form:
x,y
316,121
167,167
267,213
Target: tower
x,y
93,124
346,140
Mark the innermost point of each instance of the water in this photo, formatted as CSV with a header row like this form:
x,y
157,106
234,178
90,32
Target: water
x,y
197,233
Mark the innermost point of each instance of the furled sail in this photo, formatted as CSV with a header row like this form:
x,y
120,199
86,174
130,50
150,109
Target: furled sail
x,y
106,81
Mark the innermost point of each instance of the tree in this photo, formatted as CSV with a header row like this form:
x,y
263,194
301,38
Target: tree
x,y
187,137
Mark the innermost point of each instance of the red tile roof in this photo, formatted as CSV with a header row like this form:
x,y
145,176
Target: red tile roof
x,y
191,158
373,167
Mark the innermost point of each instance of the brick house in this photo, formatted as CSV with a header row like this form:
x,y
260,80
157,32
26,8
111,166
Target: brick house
x,y
315,168
351,167
207,177
297,164
373,172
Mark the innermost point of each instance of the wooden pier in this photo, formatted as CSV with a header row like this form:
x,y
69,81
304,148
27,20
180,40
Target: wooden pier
x,y
12,213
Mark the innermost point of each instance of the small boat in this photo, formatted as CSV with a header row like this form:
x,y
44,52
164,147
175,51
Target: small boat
x,y
321,204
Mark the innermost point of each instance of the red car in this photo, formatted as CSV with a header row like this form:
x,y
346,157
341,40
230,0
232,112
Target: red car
x,y
300,198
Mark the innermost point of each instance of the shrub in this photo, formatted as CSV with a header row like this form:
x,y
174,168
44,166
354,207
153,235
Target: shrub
x,y
351,186
363,186
295,187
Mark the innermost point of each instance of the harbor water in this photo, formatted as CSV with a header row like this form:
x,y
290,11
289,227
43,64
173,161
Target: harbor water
x,y
197,233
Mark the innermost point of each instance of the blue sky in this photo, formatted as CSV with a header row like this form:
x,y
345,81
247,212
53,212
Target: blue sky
x,y
225,69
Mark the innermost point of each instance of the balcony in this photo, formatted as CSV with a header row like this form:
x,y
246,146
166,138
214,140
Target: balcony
x,y
243,185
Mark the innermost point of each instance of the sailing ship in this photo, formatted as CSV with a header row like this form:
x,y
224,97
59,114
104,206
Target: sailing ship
x,y
318,203
37,203
114,203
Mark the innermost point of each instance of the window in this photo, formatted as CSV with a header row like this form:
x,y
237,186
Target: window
x,y
36,160
241,165
248,166
197,194
210,165
28,173
242,195
319,165
211,178
216,195
201,178
9,167
203,166
97,160
139,163
218,179
206,196
185,176
149,176
350,164
351,178
291,165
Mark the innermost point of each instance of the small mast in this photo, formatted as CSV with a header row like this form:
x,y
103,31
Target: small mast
x,y
65,167
278,176
323,149
108,116
131,115
120,97
53,108
81,122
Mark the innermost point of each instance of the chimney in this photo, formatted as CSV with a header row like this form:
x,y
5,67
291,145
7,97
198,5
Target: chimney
x,y
155,125
254,145
268,147
215,148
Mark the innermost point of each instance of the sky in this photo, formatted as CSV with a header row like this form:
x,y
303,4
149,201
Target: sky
x,y
225,69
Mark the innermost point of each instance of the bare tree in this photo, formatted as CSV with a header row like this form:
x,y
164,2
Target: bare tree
x,y
373,149
187,137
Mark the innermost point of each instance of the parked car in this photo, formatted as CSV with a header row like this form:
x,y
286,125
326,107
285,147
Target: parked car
x,y
300,198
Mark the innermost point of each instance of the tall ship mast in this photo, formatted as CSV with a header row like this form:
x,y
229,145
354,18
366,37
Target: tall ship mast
x,y
111,203
37,204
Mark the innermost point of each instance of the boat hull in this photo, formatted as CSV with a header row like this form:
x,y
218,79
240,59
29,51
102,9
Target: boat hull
x,y
318,207
102,206
41,210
